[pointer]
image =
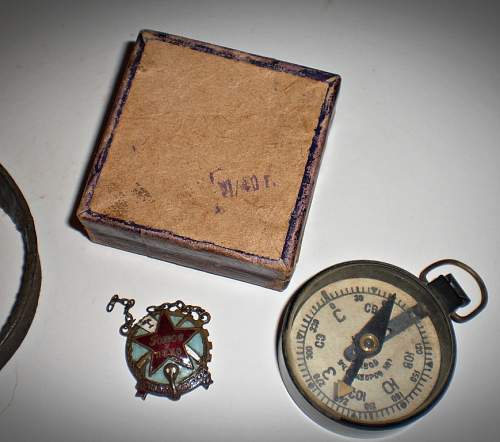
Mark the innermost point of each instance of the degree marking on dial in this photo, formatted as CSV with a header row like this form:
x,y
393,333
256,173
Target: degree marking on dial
x,y
317,390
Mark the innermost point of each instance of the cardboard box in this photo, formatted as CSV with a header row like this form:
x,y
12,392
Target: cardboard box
x,y
209,159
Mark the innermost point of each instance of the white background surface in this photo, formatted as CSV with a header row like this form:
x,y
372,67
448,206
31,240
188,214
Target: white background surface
x,y
409,176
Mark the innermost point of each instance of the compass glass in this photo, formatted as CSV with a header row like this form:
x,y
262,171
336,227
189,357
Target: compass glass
x,y
364,345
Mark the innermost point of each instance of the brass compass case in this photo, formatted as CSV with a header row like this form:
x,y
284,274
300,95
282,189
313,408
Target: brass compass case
x,y
323,319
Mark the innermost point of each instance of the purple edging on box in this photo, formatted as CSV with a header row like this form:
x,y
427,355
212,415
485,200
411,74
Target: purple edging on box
x,y
298,217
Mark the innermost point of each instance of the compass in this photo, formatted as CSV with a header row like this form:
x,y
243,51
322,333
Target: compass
x,y
370,346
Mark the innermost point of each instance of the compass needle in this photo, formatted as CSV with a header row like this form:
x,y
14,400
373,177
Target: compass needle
x,y
341,389
369,340
396,326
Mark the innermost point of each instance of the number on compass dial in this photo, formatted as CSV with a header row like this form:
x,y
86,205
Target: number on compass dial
x,y
356,367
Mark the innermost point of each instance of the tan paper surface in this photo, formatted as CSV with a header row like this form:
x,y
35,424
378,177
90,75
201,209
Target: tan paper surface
x,y
211,149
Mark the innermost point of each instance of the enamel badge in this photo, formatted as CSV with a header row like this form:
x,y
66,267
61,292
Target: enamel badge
x,y
168,349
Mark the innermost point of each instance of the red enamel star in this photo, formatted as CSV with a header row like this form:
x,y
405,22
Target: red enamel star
x,y
166,342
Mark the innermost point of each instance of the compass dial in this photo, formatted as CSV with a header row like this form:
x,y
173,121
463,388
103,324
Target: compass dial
x,y
365,351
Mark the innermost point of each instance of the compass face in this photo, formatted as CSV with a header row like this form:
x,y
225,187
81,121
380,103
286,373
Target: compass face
x,y
365,351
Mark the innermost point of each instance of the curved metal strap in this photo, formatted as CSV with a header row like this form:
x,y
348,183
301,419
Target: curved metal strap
x,y
15,328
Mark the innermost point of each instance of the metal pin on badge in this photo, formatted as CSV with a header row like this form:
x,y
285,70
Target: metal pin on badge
x,y
168,349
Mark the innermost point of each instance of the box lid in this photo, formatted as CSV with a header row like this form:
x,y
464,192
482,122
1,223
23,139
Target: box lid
x,y
215,146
